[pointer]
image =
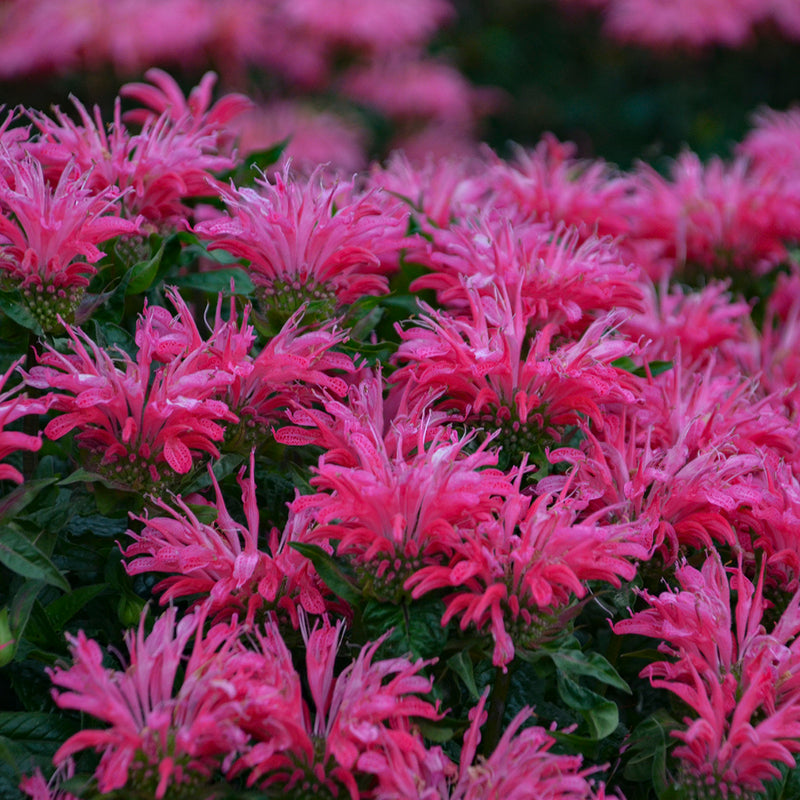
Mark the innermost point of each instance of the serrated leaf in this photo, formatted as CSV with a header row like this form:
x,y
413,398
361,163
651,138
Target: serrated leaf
x,y
23,557
461,664
16,310
573,661
143,273
36,727
330,571
64,608
219,280
22,496
601,715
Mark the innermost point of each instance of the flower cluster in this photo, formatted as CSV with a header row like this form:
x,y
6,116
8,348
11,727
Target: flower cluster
x,y
442,426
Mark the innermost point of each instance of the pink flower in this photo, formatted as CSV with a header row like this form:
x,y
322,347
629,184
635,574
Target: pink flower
x,y
367,705
549,184
65,35
12,407
496,375
222,560
517,573
37,788
314,137
49,235
300,250
522,766
411,88
173,157
774,142
379,26
160,733
715,217
558,277
740,679
289,372
144,423
392,514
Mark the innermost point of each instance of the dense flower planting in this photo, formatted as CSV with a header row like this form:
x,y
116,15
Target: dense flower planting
x,y
466,480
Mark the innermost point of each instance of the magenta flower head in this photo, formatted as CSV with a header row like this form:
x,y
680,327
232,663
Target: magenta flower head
x,y
308,242
739,677
517,575
49,234
494,374
141,423
173,157
221,561
172,720
358,714
13,406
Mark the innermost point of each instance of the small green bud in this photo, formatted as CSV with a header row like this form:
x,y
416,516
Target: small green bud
x,y
129,609
8,644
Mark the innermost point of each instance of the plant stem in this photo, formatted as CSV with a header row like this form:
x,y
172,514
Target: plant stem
x,y
493,729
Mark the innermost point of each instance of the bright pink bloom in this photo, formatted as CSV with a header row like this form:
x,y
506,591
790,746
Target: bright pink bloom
x,y
49,235
682,325
522,766
558,278
222,560
439,190
549,184
396,503
740,679
356,713
12,407
289,372
193,114
300,250
160,733
715,217
143,423
517,573
37,788
496,375
774,142
173,157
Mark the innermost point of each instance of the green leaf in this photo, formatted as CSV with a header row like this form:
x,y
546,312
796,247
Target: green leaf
x,y
416,625
36,730
330,571
23,557
601,715
222,467
142,274
22,604
22,496
573,661
19,312
40,630
205,514
64,608
219,280
461,664
652,367
255,164
646,759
